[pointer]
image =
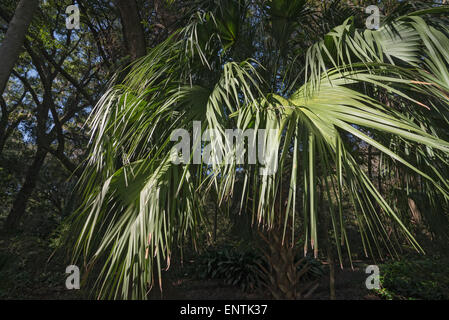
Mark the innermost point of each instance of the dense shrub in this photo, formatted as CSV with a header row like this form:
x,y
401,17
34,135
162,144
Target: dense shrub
x,y
415,279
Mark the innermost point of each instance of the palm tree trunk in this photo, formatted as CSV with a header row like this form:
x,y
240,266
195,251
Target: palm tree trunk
x,y
379,177
13,41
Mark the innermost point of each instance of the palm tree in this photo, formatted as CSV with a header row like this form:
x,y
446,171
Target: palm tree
x,y
310,71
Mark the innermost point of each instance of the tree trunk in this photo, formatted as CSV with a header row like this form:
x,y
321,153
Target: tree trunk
x,y
43,143
24,194
3,125
13,41
215,222
324,213
330,260
132,28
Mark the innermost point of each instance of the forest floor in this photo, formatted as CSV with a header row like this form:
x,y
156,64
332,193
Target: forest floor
x,y
349,284
348,287
29,270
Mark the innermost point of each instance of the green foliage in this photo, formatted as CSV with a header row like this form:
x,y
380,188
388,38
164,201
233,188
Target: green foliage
x,y
415,279
237,266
